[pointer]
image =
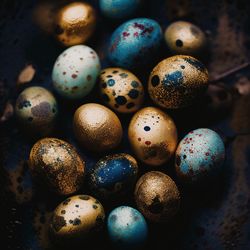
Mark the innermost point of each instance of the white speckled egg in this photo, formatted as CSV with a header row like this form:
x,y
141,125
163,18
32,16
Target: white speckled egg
x,y
75,72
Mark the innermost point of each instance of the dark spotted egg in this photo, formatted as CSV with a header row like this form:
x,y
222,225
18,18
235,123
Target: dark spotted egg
x,y
177,81
121,90
199,156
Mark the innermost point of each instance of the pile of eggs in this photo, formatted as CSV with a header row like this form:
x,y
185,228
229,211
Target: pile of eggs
x,y
173,83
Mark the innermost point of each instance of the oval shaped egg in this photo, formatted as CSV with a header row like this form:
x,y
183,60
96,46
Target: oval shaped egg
x,y
75,72
121,90
134,43
113,176
127,228
77,217
177,82
185,38
157,196
199,156
97,128
153,136
36,110
56,164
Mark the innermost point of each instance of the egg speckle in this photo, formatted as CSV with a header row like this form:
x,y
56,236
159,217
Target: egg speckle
x,y
75,72
199,156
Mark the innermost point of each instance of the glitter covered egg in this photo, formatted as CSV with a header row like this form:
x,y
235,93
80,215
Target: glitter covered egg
x,y
75,72
36,110
135,43
185,38
157,196
74,23
119,8
199,156
127,228
177,81
113,176
121,90
97,128
77,217
153,136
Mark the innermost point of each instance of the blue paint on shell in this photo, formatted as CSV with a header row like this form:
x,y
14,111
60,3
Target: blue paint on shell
x,y
174,79
111,82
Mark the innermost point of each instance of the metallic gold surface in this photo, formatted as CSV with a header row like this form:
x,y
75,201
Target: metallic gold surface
x,y
97,128
185,38
153,136
157,196
56,164
177,81
75,23
77,217
121,90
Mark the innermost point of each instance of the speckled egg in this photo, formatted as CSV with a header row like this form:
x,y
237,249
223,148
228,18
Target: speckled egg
x,y
127,228
157,196
97,128
199,156
75,72
177,82
135,43
121,90
119,9
36,111
74,23
113,176
79,217
153,136
57,165
185,38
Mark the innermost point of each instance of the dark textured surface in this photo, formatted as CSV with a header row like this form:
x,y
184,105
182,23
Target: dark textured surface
x,y
213,217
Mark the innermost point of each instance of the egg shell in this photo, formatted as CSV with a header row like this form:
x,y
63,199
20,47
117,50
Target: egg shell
x,y
113,176
153,136
127,228
134,43
36,110
119,9
121,90
78,217
157,196
57,165
199,156
75,72
177,81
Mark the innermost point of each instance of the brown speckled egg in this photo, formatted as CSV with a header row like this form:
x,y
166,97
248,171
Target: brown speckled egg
x,y
185,38
77,217
36,110
75,23
121,90
157,196
177,81
56,164
153,136
97,128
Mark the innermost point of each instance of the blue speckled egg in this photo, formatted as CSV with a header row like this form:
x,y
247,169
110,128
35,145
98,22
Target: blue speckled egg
x,y
75,72
113,175
199,156
119,8
127,228
135,43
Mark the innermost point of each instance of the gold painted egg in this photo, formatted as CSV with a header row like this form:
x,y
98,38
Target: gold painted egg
x,y
157,196
121,90
97,128
57,165
153,136
185,38
75,23
177,82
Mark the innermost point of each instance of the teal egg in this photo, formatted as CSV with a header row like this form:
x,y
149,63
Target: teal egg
x,y
75,72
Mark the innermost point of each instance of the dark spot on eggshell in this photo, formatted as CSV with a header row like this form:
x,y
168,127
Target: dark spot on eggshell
x,y
58,222
155,80
41,110
121,100
195,63
179,43
133,93
104,85
84,197
111,82
178,160
130,105
173,79
134,84
113,218
89,77
109,76
194,31
22,102
155,207
105,97
63,212
66,202
123,75
115,71
74,76
182,66
76,222
147,128
95,207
